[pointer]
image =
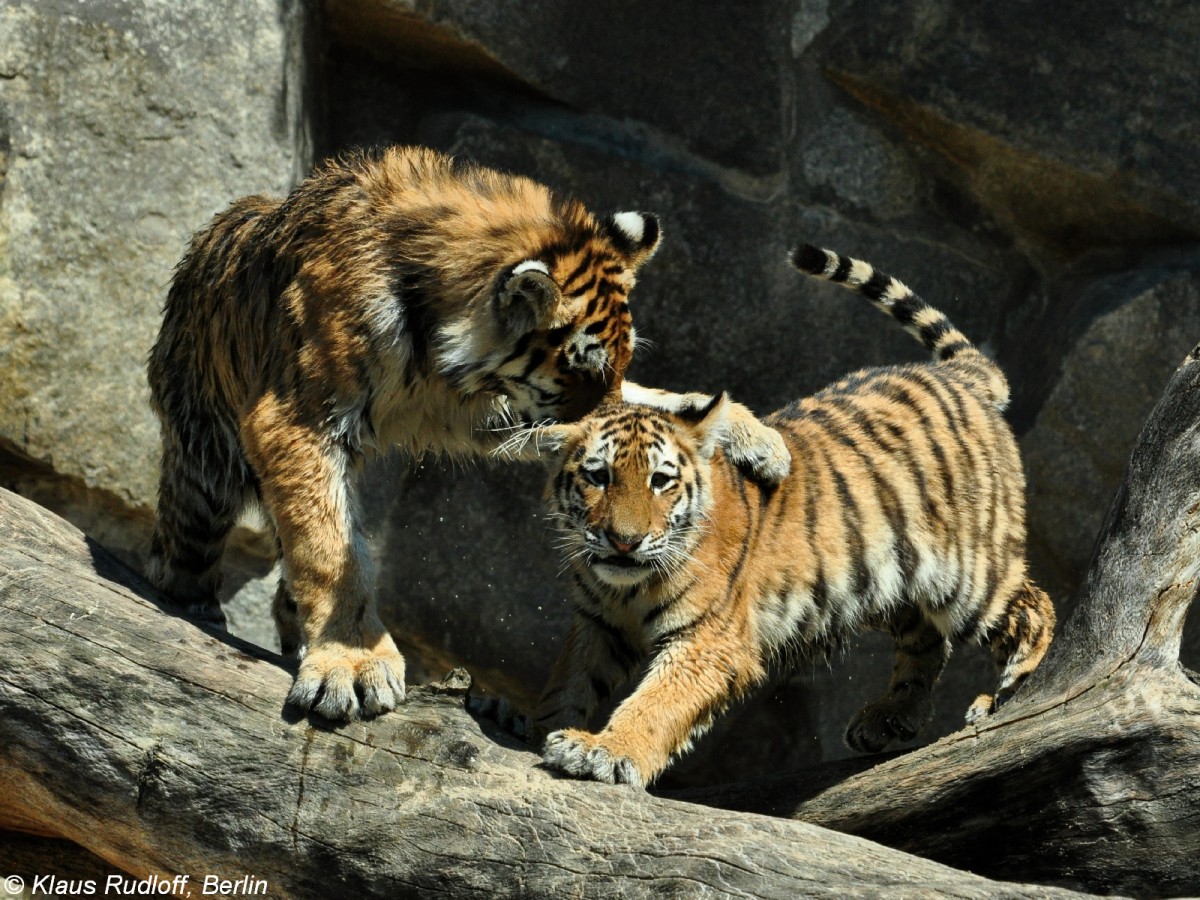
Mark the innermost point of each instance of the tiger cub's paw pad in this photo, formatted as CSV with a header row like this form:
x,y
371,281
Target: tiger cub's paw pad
x,y
878,724
984,705
580,754
342,684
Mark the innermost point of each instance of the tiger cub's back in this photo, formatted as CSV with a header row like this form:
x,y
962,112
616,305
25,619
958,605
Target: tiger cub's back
x,y
907,486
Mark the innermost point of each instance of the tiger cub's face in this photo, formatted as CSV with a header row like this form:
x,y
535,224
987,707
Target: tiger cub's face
x,y
629,488
565,333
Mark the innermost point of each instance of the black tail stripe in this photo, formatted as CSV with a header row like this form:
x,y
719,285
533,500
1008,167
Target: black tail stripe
x,y
877,285
953,349
931,334
810,259
906,308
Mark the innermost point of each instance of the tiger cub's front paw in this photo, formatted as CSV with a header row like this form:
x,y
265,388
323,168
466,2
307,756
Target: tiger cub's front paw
x,y
757,448
583,755
342,683
984,705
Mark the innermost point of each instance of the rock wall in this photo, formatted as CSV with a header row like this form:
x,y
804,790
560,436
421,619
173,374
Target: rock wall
x,y
1031,173
124,125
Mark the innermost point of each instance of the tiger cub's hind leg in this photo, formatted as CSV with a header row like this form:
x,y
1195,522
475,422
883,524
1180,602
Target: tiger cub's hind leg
x,y
921,654
596,660
1019,639
202,490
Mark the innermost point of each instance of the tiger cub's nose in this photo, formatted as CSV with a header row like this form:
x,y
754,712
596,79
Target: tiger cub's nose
x,y
624,543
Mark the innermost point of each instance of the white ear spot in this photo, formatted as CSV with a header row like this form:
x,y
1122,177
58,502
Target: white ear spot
x,y
632,225
530,265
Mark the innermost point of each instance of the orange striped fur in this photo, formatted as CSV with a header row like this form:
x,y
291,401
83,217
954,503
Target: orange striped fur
x,y
903,511
394,299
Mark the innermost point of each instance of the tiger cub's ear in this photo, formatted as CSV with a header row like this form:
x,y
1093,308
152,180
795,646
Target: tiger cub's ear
x,y
550,441
708,423
527,297
634,234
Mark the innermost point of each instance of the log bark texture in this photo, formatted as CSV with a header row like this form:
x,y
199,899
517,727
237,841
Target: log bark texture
x,y
165,750
1090,776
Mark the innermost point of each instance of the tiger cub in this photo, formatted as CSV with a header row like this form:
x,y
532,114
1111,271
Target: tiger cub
x,y
396,298
393,299
904,511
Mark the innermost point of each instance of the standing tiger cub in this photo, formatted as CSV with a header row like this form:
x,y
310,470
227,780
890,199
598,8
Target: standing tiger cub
x,y
396,299
391,299
904,511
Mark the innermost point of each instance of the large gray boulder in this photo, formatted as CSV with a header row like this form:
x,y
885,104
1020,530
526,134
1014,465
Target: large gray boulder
x,y
1070,125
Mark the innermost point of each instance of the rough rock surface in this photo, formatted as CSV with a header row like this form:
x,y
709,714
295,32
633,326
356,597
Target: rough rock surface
x,y
124,125
990,155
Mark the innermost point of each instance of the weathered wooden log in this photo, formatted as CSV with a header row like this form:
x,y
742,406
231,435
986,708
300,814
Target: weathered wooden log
x,y
1090,777
166,751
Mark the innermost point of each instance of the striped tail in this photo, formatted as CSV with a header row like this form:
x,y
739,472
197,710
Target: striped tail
x,y
928,325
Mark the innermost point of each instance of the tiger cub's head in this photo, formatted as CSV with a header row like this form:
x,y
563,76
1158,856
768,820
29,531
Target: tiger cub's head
x,y
558,335
630,487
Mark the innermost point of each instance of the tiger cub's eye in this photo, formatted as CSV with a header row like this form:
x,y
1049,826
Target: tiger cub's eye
x,y
598,476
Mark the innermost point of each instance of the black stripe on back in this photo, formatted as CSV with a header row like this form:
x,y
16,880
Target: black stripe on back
x,y
889,499
901,448
748,539
852,517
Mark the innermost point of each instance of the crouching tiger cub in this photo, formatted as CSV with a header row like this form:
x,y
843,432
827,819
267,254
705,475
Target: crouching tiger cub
x,y
392,299
904,510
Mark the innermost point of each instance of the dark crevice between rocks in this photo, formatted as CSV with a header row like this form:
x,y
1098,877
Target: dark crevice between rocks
x,y
5,150
408,38
299,108
1038,335
391,76
384,70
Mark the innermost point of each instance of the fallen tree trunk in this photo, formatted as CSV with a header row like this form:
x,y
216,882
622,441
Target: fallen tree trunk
x,y
1091,775
165,750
